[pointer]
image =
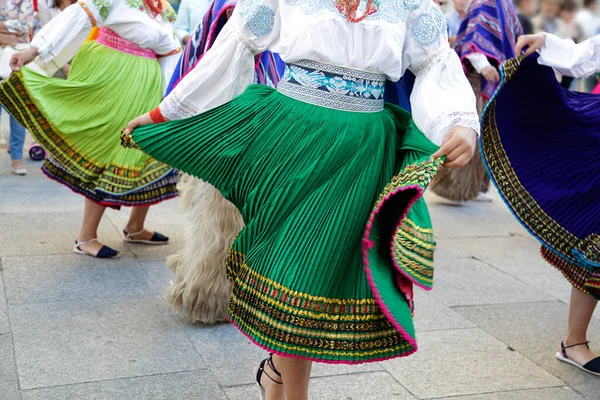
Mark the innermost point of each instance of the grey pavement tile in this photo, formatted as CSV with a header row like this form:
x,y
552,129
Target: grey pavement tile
x,y
70,277
24,234
25,198
590,390
463,281
158,273
550,281
432,315
4,325
535,330
472,220
559,393
9,385
76,342
514,255
363,386
233,358
197,385
463,362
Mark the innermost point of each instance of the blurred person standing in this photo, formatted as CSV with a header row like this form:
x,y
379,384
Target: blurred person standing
x,y
454,18
548,21
16,23
568,10
526,10
586,19
487,37
189,17
48,9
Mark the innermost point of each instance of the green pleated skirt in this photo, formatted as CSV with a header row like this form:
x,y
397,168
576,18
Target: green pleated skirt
x,y
336,230
78,121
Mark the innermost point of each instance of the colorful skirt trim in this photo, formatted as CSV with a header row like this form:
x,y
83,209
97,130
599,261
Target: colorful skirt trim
x,y
78,121
336,231
540,143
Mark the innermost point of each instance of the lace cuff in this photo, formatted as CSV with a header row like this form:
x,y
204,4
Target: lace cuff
x,y
174,108
442,124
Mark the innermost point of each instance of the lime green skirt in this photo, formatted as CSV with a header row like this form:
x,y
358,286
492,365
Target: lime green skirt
x,y
78,121
336,230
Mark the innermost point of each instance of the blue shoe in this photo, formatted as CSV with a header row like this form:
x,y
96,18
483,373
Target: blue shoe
x,y
104,252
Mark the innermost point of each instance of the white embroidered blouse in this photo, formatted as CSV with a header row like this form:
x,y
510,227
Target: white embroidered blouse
x,y
570,59
398,35
58,41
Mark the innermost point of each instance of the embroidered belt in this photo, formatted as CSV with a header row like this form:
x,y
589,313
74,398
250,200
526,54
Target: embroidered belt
x,y
109,38
333,87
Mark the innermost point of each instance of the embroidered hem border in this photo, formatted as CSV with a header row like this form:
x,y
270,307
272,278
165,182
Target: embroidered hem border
x,y
299,325
162,190
113,180
582,279
580,253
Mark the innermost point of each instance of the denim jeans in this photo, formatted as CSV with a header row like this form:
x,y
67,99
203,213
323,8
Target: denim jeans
x,y
17,139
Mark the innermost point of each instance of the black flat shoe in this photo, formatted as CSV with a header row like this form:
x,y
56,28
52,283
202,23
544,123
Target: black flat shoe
x,y
105,251
591,367
157,238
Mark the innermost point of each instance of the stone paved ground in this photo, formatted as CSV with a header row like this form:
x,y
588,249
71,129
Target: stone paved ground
x,y
73,327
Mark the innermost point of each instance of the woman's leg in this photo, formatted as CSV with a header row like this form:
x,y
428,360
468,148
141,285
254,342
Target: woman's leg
x,y
580,313
17,140
136,223
92,215
295,374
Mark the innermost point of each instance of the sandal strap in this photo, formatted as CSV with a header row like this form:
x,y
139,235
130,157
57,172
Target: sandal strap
x,y
77,242
587,344
261,371
131,235
564,348
272,365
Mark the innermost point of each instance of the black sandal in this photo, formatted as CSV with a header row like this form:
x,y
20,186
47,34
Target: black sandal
x,y
261,370
591,367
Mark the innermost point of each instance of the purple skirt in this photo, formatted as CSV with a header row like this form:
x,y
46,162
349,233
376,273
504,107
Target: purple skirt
x,y
541,146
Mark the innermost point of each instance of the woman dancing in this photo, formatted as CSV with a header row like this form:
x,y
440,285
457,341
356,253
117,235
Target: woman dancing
x,y
540,143
113,78
327,177
486,38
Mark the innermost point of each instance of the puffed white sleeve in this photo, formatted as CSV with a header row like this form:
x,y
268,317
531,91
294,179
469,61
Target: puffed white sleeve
x,y
228,67
442,97
568,58
74,22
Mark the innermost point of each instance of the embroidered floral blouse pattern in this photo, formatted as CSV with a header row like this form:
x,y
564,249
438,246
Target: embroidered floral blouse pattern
x,y
168,14
104,7
18,16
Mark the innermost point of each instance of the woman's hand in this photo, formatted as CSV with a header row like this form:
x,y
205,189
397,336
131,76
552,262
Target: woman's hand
x,y
534,42
458,147
139,121
491,74
23,58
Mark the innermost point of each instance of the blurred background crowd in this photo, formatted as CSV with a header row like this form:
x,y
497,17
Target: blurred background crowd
x,y
577,20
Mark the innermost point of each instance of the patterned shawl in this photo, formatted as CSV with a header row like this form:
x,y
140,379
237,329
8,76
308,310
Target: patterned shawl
x,y
490,27
269,66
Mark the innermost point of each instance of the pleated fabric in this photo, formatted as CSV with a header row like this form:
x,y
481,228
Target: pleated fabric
x,y
79,120
540,143
324,267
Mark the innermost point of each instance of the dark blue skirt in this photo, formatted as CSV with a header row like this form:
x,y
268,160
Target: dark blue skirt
x,y
541,145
